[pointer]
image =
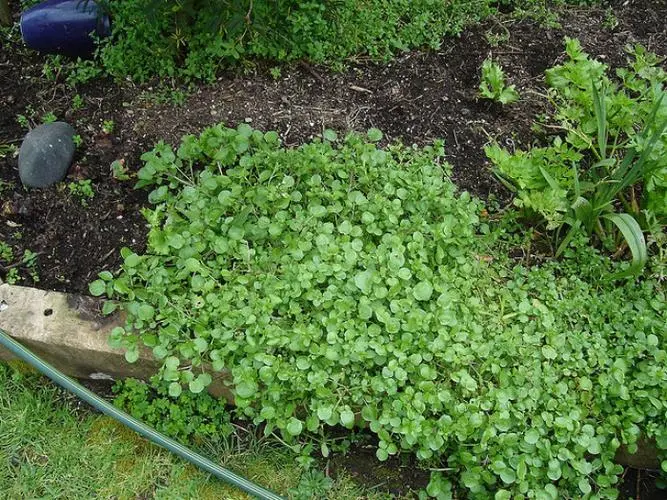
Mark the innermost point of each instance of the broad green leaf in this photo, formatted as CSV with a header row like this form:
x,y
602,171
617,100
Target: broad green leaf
x,y
171,363
584,486
132,355
109,307
97,288
347,418
635,239
145,312
330,135
324,412
245,389
294,427
364,281
423,291
374,135
175,389
549,352
200,383
132,260
531,436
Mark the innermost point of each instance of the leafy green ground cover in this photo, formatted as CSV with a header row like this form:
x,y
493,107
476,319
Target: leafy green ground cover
x,y
49,449
342,284
194,38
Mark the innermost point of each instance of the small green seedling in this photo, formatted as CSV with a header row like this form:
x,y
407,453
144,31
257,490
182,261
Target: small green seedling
x,y
49,117
119,170
77,102
83,190
275,73
108,126
493,85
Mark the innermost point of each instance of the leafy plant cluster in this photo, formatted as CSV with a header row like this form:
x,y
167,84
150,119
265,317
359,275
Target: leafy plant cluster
x,y
604,172
11,266
340,284
190,416
492,85
82,190
194,38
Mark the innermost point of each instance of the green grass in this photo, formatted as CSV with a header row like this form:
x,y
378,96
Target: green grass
x,y
51,448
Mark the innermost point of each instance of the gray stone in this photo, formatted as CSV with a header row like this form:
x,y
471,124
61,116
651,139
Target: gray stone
x,y
68,332
46,154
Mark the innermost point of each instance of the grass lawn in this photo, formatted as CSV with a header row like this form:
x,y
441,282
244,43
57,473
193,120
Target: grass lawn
x,y
51,447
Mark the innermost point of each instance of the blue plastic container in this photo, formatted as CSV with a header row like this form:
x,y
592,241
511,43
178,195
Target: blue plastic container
x,y
64,27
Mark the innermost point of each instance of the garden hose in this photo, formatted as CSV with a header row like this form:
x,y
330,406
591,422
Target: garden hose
x,y
139,427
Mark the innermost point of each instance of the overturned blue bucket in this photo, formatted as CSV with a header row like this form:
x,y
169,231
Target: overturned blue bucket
x,y
64,27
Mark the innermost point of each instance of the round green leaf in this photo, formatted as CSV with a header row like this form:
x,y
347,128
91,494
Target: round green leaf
x,y
97,288
132,260
324,412
532,436
145,312
423,290
175,389
347,418
364,281
245,389
549,352
374,135
132,355
330,135
171,363
294,427
584,486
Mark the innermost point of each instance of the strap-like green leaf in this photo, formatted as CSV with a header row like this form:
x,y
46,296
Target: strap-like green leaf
x,y
600,108
633,235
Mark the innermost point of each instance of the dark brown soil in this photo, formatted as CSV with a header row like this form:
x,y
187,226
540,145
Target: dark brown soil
x,y
418,97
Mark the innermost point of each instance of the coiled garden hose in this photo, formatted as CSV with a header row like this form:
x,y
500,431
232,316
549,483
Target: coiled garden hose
x,y
139,427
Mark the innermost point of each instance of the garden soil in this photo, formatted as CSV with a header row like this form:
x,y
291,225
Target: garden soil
x,y
416,98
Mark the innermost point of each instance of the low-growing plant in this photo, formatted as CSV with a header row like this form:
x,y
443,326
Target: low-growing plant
x,y
77,140
53,67
82,190
312,484
6,252
493,85
108,127
23,121
275,72
7,150
194,39
77,102
165,95
49,117
611,141
339,284
119,171
10,266
496,39
184,416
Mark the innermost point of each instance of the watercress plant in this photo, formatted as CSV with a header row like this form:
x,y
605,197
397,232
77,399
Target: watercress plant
x,y
340,284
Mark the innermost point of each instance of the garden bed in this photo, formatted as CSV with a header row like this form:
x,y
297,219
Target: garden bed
x,y
417,98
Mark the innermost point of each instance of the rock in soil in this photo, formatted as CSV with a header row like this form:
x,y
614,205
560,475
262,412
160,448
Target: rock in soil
x,y
46,154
